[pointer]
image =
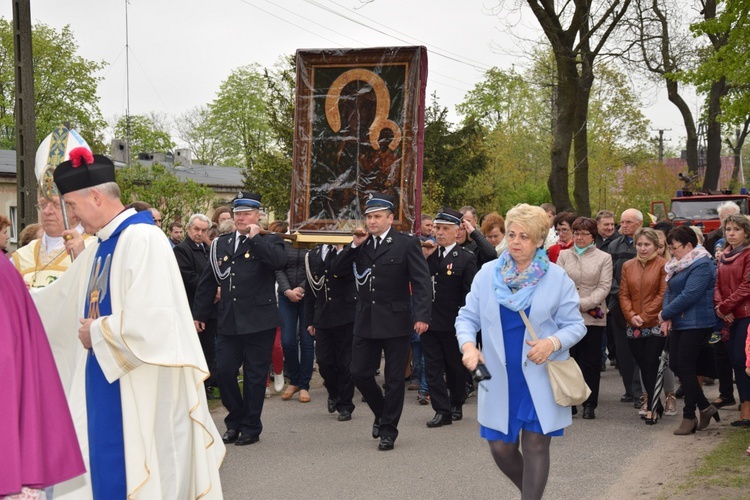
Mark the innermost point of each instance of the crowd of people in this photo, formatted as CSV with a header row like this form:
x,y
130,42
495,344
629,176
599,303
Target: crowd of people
x,y
468,302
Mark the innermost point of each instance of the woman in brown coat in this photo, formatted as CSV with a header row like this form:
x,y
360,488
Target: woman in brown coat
x,y
591,271
642,290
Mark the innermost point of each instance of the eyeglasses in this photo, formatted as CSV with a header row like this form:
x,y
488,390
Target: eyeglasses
x,y
44,205
563,230
579,234
672,248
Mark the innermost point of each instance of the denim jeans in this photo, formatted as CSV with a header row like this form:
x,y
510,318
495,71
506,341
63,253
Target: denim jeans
x,y
418,360
298,345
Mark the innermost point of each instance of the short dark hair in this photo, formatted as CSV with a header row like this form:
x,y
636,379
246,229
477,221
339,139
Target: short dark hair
x,y
569,217
140,206
174,224
585,224
427,216
682,235
664,226
278,226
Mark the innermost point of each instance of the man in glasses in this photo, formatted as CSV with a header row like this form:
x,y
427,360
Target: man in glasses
x,y
43,261
622,249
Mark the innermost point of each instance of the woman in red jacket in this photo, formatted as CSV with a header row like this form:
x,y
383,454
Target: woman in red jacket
x,y
732,298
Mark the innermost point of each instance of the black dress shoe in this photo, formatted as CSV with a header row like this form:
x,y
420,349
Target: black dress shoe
x,y
246,439
574,410
386,443
376,428
588,412
230,436
626,398
332,405
439,420
457,413
345,415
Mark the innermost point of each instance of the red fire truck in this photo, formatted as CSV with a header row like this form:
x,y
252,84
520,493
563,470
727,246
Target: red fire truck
x,y
700,209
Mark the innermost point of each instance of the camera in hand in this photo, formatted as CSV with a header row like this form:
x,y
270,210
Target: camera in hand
x,y
481,373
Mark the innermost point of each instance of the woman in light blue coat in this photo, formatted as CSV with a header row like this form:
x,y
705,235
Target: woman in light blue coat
x,y
519,397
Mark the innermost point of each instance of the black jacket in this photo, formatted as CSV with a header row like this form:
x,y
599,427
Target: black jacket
x,y
293,274
452,281
479,246
385,307
248,298
331,299
192,259
621,251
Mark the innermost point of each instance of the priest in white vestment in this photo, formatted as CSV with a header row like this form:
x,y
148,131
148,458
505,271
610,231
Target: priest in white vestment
x,y
131,365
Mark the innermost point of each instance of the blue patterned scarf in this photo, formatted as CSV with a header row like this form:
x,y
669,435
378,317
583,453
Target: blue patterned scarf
x,y
513,289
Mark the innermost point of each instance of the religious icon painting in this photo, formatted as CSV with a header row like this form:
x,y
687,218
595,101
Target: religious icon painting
x,y
358,129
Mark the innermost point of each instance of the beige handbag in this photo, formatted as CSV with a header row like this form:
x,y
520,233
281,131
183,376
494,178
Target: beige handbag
x,y
565,377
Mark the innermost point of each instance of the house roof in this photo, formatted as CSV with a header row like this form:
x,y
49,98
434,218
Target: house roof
x,y
209,175
7,162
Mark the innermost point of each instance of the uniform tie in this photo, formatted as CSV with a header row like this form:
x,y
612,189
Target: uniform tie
x,y
441,253
330,254
377,242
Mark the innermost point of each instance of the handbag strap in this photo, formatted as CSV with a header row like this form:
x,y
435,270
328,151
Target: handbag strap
x,y
528,325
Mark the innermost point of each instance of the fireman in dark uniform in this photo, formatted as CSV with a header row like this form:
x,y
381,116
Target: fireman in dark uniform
x,y
242,264
452,269
329,315
387,264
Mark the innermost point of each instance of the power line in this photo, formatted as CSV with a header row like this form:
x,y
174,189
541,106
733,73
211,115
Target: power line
x,y
289,22
364,25
433,47
314,22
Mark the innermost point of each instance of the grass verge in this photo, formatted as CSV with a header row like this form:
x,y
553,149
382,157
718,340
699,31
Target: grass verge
x,y
723,473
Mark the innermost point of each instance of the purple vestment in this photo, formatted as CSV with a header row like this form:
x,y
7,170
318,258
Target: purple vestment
x,y
38,444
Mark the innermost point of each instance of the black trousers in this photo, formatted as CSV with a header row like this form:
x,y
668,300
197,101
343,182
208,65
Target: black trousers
x,y
333,348
208,344
252,351
588,355
736,349
723,370
626,363
366,355
647,352
444,370
685,348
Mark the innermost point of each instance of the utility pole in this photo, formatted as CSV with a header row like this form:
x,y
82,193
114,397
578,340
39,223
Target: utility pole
x,y
661,143
25,118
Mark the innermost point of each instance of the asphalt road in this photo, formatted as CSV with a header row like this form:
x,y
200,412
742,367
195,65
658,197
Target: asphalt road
x,y
304,452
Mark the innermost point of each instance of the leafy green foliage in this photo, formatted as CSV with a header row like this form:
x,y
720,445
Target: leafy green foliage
x,y
451,155
239,111
200,132
146,134
157,185
65,86
729,60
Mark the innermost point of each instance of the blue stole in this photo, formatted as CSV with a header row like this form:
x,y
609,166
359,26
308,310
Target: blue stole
x,y
103,404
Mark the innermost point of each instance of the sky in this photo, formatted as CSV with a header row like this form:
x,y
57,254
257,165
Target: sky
x,y
181,50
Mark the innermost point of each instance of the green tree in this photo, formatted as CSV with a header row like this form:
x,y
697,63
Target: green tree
x,y
200,132
240,112
576,32
157,185
65,86
270,170
451,155
148,134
